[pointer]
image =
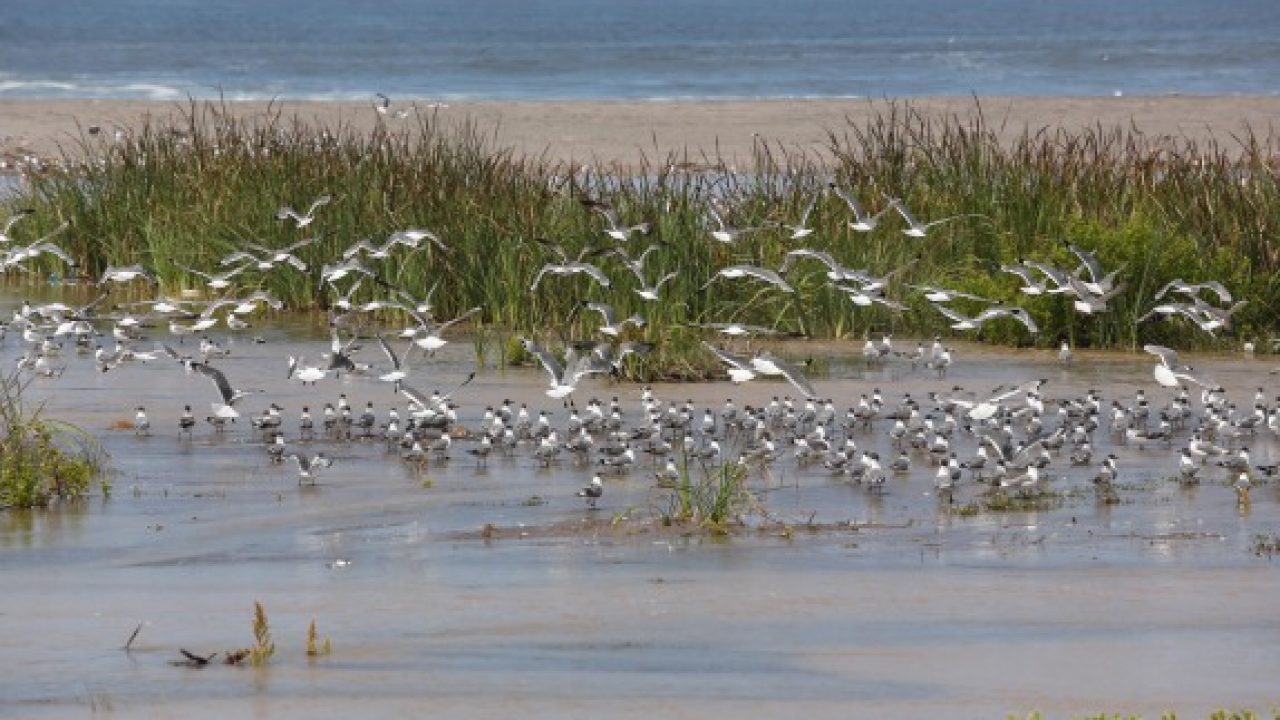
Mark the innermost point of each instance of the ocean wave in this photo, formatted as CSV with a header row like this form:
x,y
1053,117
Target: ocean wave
x,y
59,89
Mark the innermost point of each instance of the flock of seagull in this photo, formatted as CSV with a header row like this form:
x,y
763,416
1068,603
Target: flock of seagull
x,y
1006,440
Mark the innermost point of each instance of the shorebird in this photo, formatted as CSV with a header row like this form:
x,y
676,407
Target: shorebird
x,y
383,107
636,266
987,409
398,371
725,232
305,373
431,339
740,369
769,364
915,228
126,273
230,396
217,281
309,468
573,267
1088,302
612,326
938,294
836,272
1179,285
141,425
1167,372
1098,283
592,492
564,378
862,220
285,212
740,271
266,259
616,229
964,322
801,229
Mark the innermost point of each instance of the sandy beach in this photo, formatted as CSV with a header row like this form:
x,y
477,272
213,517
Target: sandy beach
x,y
625,132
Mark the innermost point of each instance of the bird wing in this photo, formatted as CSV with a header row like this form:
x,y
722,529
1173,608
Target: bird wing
x,y
605,310
219,379
1090,261
1167,356
322,200
727,358
596,273
391,354
460,318
851,201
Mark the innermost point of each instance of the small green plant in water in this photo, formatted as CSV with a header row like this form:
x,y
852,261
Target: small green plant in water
x,y
711,499
42,460
315,648
263,647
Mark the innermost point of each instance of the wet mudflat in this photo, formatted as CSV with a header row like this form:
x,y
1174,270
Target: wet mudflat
x,y
899,606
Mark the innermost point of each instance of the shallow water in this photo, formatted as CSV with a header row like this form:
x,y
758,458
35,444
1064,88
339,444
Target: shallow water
x,y
1155,603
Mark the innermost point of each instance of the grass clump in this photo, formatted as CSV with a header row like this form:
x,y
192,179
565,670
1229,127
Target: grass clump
x,y
263,647
315,648
42,460
710,497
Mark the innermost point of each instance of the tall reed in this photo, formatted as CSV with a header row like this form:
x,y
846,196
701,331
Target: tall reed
x,y
190,192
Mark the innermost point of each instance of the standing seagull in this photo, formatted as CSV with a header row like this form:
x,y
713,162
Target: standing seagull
x,y
593,491
285,212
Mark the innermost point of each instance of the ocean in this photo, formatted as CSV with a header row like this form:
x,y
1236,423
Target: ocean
x,y
616,49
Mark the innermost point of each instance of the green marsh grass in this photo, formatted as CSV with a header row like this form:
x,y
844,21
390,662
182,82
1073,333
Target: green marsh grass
x,y
42,460
191,192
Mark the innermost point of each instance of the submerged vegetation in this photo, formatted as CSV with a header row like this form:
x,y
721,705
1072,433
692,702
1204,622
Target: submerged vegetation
x,y
42,460
189,194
